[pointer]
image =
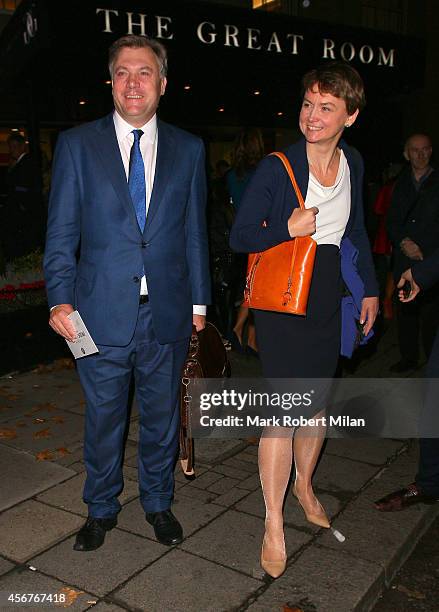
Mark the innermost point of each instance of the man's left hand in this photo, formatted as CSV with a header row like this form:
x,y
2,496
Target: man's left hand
x,y
199,321
369,311
414,288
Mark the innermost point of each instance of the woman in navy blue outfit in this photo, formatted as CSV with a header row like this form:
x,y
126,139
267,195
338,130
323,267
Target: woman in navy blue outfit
x,y
329,174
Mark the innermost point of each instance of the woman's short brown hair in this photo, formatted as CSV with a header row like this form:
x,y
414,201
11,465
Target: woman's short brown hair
x,y
339,80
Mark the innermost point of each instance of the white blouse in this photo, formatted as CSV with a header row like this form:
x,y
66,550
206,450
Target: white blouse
x,y
334,204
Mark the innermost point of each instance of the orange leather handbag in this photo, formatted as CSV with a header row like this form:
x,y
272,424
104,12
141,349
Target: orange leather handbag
x,y
279,278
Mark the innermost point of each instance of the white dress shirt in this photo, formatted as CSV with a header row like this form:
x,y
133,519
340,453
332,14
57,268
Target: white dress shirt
x,y
148,150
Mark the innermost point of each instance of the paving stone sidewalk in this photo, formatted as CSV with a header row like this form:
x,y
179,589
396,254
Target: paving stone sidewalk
x,y
216,568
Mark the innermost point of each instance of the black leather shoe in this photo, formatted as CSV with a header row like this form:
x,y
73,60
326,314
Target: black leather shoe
x,y
92,535
167,529
404,365
403,499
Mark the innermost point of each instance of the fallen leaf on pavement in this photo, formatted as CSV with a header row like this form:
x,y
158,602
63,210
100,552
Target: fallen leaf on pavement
x,y
63,451
45,455
57,419
49,406
288,608
7,434
59,364
410,593
66,363
71,596
43,433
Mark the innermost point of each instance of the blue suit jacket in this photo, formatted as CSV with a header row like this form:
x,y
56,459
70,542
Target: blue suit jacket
x,y
270,197
95,251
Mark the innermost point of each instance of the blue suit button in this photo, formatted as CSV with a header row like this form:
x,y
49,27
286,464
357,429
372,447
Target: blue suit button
x,y
144,245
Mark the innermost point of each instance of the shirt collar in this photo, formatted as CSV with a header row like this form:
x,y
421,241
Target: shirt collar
x,y
123,128
423,178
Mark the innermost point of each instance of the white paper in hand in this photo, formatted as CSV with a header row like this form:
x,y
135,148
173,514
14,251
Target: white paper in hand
x,y
83,345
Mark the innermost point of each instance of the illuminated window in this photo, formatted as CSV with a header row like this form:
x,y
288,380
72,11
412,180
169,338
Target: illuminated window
x,y
264,3
9,5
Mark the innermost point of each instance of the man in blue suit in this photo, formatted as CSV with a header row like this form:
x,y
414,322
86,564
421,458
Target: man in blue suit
x,y
421,276
127,247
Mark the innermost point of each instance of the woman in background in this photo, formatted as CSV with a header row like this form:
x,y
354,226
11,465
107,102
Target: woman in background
x,y
247,152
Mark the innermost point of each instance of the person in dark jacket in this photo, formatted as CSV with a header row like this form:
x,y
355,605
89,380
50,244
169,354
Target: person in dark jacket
x,y
413,227
425,488
329,174
23,217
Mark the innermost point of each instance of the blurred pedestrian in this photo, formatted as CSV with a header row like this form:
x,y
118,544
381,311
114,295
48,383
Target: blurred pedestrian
x,y
23,219
382,246
220,218
248,150
425,488
413,227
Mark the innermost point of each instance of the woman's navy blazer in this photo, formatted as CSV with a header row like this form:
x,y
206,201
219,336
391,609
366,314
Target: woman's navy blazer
x,y
270,197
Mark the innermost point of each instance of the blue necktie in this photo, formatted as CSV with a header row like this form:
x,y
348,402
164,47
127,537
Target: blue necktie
x,y
136,180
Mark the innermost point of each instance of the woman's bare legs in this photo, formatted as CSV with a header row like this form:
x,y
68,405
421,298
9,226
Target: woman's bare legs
x,y
241,318
308,441
275,462
251,334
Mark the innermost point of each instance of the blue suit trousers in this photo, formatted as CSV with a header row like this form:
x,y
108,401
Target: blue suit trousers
x,y
106,378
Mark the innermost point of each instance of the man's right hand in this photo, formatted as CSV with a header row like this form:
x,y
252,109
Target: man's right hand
x,y
60,322
411,249
302,222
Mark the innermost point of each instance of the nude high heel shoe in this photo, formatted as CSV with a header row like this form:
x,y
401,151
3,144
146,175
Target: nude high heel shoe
x,y
273,568
320,519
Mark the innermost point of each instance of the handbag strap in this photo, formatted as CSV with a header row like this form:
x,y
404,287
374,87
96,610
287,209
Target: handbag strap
x,y
284,159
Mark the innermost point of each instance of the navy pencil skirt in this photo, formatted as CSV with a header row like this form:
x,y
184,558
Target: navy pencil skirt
x,y
294,346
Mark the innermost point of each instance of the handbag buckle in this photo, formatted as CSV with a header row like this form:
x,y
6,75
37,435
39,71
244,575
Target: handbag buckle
x,y
286,298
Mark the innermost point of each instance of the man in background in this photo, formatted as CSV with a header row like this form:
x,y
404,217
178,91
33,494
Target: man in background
x,y
426,486
23,219
413,227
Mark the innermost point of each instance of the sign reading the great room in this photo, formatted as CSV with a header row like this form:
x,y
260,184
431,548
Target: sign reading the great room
x,y
233,36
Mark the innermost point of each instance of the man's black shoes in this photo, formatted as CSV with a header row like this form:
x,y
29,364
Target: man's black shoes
x,y
92,535
404,498
167,529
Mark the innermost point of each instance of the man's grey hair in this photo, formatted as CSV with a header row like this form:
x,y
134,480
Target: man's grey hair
x,y
416,134
134,41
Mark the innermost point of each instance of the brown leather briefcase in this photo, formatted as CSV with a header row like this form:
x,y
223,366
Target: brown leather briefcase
x,y
206,358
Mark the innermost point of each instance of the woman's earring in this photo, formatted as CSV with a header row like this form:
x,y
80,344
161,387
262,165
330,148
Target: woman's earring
x,y
347,125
